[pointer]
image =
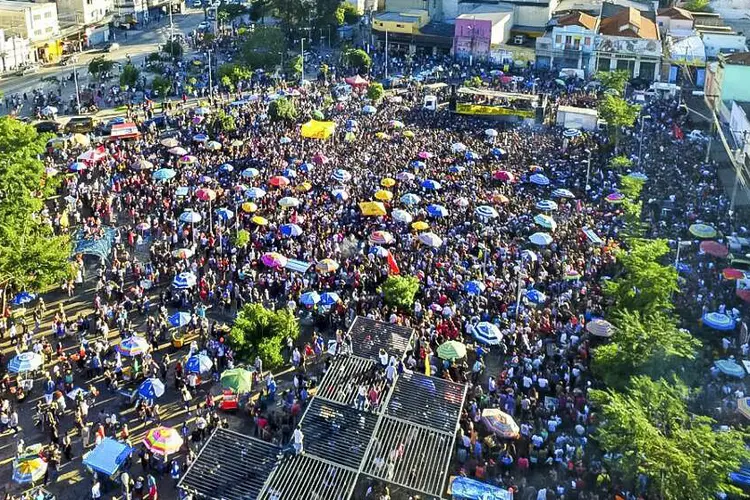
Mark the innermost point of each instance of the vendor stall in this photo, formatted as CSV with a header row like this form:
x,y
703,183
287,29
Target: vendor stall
x,y
107,457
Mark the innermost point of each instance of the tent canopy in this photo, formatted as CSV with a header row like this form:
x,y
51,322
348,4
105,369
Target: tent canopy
x,y
107,457
101,247
464,488
315,129
356,81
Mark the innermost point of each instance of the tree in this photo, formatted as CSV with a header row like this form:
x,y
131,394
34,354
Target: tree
x,y
258,10
223,122
347,13
649,345
242,238
620,162
235,73
295,65
98,66
400,291
173,48
263,48
617,113
613,79
161,86
358,59
129,76
698,6
32,256
282,109
231,10
474,81
258,331
375,91
650,434
643,284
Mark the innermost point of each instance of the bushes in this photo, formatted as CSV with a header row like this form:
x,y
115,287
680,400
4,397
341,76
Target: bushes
x,y
258,331
375,91
400,291
282,109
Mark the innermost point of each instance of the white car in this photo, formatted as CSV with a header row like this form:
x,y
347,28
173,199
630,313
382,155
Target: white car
x,y
197,4
204,26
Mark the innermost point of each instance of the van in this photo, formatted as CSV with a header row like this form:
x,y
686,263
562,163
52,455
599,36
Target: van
x,y
519,39
430,102
80,125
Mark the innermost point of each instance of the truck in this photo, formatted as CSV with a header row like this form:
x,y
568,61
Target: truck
x,y
577,118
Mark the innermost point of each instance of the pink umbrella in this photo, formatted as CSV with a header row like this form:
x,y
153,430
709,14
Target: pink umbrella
x,y
714,248
424,155
273,259
320,159
278,181
205,194
504,175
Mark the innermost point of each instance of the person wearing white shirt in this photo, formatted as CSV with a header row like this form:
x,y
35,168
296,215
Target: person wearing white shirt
x,y
297,440
527,382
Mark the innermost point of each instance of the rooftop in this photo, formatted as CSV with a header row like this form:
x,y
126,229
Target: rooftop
x,y
676,13
396,17
737,59
578,18
369,335
629,22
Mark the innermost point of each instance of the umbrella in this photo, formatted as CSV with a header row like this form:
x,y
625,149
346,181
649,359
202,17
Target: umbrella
x,y
327,266
309,298
490,132
730,368
292,230
351,124
187,160
487,333
451,350
28,471
437,210
142,164
163,174
213,145
431,240
410,199
273,259
289,201
562,193
179,319
178,151
405,176
170,142
535,296
304,187
474,287
261,221
572,274
702,231
529,255
23,298
49,110
733,274
226,168
420,225
198,363
25,362
486,212
379,251
278,181
395,124
600,328
237,379
471,156
372,209
285,140
714,248
340,194
205,194
639,176
249,207
78,166
540,239
182,253
369,110
254,193
499,423
224,214
133,346
388,182
381,238
425,155
401,216
383,195
200,137
456,169
615,198
163,441
320,159
743,406
539,179
545,221
200,111
249,173
504,175
431,184
546,205
341,175
190,217
290,172
571,132
151,388
718,321
184,280
458,147
329,298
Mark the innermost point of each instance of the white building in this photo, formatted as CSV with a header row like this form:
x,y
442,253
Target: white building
x,y
739,124
86,12
14,51
36,22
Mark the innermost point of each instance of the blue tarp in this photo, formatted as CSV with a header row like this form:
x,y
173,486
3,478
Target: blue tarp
x,y
107,457
464,488
100,247
297,265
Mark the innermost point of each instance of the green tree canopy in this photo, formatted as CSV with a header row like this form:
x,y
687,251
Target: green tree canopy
x,y
650,345
263,48
258,331
173,49
613,79
99,65
282,109
161,86
235,72
618,113
129,76
357,59
400,291
649,431
346,13
375,91
294,66
232,10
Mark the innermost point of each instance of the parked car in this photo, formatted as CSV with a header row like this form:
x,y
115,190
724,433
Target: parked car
x,y
111,47
48,126
80,124
69,59
204,26
197,4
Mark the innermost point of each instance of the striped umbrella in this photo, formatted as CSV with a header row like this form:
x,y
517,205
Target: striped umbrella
x,y
341,175
600,328
224,214
198,363
249,173
190,217
163,441
309,298
327,266
169,142
151,388
539,180
486,212
381,238
132,346
563,193
273,259
25,362
184,280
329,298
487,333
431,185
28,471
179,319
546,205
290,230
718,321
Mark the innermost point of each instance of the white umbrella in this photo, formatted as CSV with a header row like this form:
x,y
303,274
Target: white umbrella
x,y
401,216
540,239
431,240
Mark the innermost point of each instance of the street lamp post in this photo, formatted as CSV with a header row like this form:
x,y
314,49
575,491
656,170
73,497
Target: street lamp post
x,y
75,80
588,171
210,80
640,142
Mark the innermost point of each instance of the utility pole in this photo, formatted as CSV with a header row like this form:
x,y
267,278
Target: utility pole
x,y
75,79
171,30
386,54
210,81
588,171
302,55
640,142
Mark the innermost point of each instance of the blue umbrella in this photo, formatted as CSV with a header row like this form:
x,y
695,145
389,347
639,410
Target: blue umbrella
x,y
132,346
456,169
340,194
474,287
290,230
341,175
285,140
497,152
290,172
198,363
179,319
200,137
151,388
730,368
410,199
351,124
546,205
23,298
471,156
418,164
487,333
163,174
539,180
535,296
563,193
78,166
431,184
435,210
249,173
369,110
226,167
254,193
225,214
486,212
718,321
379,251
571,132
329,298
184,280
640,176
306,167
24,362
190,217
309,298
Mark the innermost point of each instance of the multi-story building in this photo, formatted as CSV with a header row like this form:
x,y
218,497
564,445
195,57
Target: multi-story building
x,y
35,21
85,22
569,43
14,52
478,32
726,81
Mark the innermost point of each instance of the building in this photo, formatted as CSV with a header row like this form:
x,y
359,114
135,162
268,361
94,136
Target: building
x,y
36,22
739,126
674,20
84,23
569,43
411,32
530,17
478,32
627,40
14,52
727,81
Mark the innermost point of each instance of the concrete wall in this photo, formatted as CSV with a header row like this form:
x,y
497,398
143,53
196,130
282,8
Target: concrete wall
x,y
734,83
16,52
731,9
667,24
716,42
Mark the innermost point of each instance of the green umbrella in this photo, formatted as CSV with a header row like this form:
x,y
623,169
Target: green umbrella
x,y
318,115
237,379
452,350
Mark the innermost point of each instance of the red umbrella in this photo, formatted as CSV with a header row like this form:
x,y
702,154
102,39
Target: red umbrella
x,y
733,274
279,181
504,175
714,248
744,295
205,194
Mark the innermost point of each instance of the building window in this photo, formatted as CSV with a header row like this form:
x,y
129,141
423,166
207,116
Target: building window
x,y
47,15
37,17
587,41
37,32
568,40
399,25
558,38
49,28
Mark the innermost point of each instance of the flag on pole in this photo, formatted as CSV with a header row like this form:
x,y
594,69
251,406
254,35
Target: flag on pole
x,y
392,264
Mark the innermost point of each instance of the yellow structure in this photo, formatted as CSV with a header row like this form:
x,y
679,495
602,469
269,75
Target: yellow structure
x,y
408,22
317,130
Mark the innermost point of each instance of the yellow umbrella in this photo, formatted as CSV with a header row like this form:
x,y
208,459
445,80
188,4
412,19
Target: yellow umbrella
x,y
382,136
388,182
409,134
372,209
304,187
420,225
350,137
261,221
327,266
249,207
383,195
